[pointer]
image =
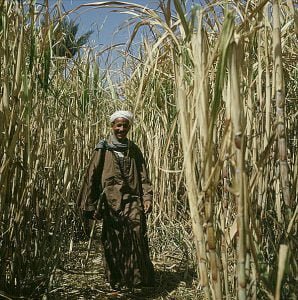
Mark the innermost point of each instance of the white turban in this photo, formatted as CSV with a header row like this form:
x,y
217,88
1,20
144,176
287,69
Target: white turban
x,y
122,114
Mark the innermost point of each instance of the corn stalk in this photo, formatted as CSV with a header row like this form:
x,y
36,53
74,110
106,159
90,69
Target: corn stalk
x,y
280,104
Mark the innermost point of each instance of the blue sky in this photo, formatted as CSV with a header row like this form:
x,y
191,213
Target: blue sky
x,y
108,27
104,22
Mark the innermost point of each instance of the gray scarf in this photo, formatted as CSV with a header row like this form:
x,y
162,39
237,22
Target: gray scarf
x,y
115,145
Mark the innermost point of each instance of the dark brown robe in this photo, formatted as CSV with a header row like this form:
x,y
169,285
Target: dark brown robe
x,y
126,187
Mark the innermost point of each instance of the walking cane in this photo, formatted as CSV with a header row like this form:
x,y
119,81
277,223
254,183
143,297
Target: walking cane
x,y
98,206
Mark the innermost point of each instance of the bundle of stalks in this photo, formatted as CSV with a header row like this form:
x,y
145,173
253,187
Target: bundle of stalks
x,y
240,198
49,125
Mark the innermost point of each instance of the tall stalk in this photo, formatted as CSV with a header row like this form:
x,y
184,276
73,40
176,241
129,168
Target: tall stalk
x,y
189,171
205,145
240,177
280,103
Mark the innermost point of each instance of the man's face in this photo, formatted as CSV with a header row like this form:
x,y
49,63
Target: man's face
x,y
120,128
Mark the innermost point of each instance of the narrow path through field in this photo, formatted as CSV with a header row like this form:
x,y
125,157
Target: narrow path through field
x,y
81,279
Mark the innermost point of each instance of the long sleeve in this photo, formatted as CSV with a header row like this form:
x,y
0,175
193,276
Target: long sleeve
x,y
90,188
147,191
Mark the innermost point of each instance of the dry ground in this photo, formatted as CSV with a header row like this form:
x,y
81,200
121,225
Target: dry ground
x,y
84,279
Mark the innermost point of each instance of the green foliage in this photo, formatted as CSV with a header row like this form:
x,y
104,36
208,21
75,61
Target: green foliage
x,y
65,41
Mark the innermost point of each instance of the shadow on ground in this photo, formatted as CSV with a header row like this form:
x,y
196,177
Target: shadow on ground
x,y
95,288
81,279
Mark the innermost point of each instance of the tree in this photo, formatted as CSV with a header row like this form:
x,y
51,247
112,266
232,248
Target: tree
x,y
65,41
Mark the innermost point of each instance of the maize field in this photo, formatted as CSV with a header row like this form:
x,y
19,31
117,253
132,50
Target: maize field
x,y
214,92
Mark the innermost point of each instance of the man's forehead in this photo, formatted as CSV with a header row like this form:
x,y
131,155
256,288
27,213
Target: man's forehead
x,y
121,121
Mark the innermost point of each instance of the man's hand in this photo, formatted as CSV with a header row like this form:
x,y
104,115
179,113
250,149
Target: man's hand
x,y
147,207
97,216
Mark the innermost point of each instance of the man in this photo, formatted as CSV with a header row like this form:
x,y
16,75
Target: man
x,y
117,168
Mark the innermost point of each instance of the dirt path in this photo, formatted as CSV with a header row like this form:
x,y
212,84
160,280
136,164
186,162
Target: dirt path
x,y
80,280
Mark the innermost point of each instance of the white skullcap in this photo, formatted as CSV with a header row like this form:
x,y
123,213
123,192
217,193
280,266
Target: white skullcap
x,y
122,114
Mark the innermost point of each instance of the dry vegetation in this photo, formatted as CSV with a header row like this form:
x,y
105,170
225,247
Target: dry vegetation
x,y
215,95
